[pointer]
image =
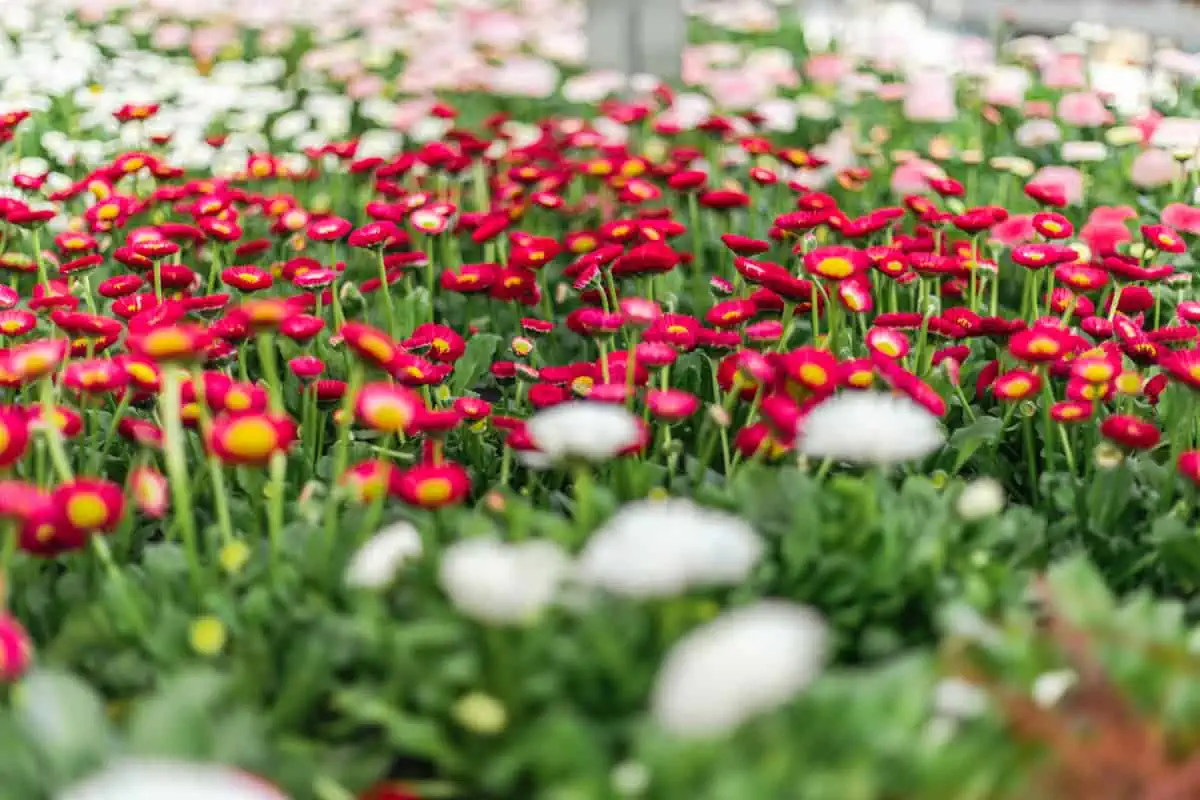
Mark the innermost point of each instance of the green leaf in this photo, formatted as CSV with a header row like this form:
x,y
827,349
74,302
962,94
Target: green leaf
x,y
177,720
66,719
474,362
968,440
409,735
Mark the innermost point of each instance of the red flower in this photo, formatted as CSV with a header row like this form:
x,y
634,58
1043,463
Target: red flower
x,y
1016,385
370,344
1164,238
433,486
1130,432
1053,225
389,408
672,405
89,504
888,342
1069,411
250,438
835,262
1188,465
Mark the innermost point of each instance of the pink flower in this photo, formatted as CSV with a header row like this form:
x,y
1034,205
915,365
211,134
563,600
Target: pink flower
x,y
1147,123
1064,72
1153,168
1014,230
930,98
363,86
911,176
1006,87
1105,229
826,68
1069,179
1038,109
1083,110
1176,133
524,76
1111,215
737,89
169,36
1182,217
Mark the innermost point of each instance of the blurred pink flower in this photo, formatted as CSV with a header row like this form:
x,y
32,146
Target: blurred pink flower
x,y
1147,123
930,98
1038,109
363,86
1154,168
1105,229
1108,215
169,36
826,68
911,176
1066,71
737,89
1182,217
890,92
1083,110
410,112
1014,230
1176,133
1006,86
1103,237
524,76
1069,179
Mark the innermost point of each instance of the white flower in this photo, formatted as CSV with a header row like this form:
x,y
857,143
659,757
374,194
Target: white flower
x,y
980,498
146,779
1037,132
1075,152
582,430
502,583
744,663
870,428
661,548
375,563
1050,687
957,698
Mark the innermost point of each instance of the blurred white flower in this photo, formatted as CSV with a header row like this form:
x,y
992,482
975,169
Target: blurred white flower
x,y
979,499
146,779
662,548
744,663
870,428
375,563
1037,132
1050,687
1077,152
501,583
955,697
582,430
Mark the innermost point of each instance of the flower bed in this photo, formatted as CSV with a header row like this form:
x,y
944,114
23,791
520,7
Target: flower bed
x,y
823,427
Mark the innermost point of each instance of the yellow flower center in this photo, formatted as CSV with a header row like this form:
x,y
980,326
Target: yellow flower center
x,y
86,511
434,491
813,375
251,438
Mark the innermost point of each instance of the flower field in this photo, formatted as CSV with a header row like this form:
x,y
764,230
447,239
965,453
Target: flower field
x,y
393,409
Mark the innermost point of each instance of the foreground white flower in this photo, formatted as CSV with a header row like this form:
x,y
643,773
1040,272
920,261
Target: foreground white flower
x,y
501,583
661,548
147,779
375,563
582,430
744,663
870,428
